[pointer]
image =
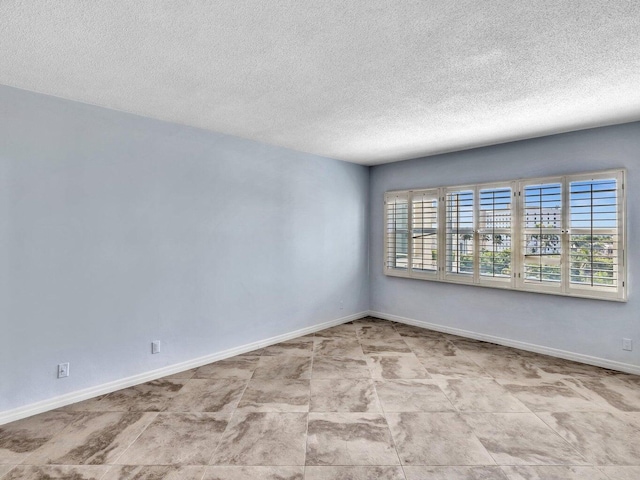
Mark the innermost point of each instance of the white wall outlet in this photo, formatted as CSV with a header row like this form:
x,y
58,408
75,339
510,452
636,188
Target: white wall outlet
x,y
627,344
341,305
155,346
63,370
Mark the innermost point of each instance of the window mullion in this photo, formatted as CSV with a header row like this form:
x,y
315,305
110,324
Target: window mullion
x,y
476,235
565,254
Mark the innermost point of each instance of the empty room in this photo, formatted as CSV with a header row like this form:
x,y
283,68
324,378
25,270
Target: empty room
x,y
278,240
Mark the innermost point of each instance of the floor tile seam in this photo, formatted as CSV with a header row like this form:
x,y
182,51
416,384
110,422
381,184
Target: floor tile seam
x,y
386,421
599,400
600,469
235,410
115,460
575,449
75,417
6,474
306,433
108,470
460,416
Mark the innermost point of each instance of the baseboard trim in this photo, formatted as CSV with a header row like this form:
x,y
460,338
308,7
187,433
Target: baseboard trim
x,y
73,397
530,347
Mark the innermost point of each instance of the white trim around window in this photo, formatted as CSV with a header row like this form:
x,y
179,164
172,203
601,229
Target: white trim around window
x,y
562,235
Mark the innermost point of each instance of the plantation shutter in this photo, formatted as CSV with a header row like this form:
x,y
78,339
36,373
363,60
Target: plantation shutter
x,y
424,232
396,232
494,234
460,235
541,235
595,234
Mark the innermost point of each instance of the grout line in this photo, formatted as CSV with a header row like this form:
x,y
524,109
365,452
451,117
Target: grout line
x,y
306,436
222,435
561,437
137,436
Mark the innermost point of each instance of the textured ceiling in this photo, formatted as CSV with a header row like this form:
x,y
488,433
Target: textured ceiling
x,y
368,81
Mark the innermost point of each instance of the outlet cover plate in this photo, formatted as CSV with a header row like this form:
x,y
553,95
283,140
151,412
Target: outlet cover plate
x,y
63,370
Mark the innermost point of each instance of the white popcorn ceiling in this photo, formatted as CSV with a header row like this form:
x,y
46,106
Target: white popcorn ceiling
x,y
367,81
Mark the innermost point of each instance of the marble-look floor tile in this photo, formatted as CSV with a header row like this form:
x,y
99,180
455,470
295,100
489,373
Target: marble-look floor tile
x,y
622,473
417,332
551,396
57,472
507,367
283,366
521,439
562,367
477,346
251,353
207,395
372,321
147,397
241,366
347,330
338,347
353,473
263,439
554,473
301,347
325,366
430,347
436,439
184,375
154,472
90,405
344,395
404,366
621,392
454,473
480,395
392,347
4,469
349,439
20,439
452,367
92,439
603,438
412,396
254,473
377,332
177,439
276,395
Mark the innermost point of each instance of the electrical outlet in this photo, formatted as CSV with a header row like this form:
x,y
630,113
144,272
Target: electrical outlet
x,y
341,305
627,344
155,346
63,370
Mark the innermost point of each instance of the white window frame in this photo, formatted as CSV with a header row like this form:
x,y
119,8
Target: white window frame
x,y
521,282
429,275
516,281
498,282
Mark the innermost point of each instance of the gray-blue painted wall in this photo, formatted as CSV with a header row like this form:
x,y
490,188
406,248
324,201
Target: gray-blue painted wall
x,y
589,327
116,230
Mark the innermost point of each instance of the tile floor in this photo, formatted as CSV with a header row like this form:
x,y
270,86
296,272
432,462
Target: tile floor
x,y
366,400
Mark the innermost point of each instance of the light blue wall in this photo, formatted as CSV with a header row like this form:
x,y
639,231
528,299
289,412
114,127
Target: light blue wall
x,y
116,230
588,327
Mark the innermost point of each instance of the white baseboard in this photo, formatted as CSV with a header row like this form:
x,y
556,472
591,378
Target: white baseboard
x,y
530,347
84,394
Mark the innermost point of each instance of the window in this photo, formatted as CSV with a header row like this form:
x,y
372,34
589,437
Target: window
x,y
424,232
494,234
460,234
560,235
397,233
